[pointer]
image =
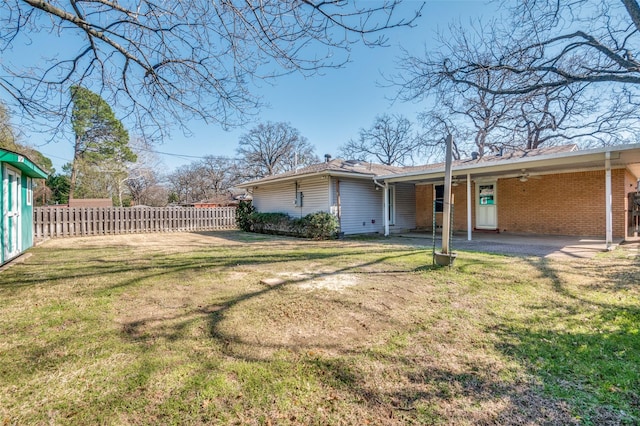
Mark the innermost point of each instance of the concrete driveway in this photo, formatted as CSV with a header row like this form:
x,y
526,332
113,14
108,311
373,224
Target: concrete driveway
x,y
550,246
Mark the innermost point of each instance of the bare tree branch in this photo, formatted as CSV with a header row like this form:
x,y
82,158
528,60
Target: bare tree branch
x,y
390,140
165,63
603,47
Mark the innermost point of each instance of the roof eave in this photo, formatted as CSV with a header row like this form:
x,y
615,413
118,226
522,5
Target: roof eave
x,y
334,173
574,159
22,163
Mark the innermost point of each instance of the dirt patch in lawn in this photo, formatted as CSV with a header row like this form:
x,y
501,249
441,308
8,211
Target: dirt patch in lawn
x,y
327,280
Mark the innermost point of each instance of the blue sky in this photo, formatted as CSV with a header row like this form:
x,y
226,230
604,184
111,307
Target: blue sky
x,y
327,109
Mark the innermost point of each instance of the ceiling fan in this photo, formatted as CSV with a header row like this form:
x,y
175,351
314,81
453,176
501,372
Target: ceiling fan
x,y
525,176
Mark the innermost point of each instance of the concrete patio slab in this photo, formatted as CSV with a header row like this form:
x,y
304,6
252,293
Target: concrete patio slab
x,y
547,246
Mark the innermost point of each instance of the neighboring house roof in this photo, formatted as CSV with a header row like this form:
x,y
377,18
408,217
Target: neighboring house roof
x,y
337,167
90,202
22,163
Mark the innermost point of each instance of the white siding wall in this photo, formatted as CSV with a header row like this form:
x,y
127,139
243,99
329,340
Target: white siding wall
x,y
405,207
361,203
280,197
361,206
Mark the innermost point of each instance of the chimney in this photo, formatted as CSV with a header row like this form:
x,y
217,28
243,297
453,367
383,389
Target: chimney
x,y
327,158
474,155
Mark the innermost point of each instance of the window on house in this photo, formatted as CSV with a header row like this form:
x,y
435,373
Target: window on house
x,y
29,191
439,189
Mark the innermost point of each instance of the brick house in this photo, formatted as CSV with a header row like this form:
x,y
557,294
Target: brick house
x,y
556,191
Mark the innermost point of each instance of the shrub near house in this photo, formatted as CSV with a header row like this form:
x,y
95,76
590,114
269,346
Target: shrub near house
x,y
319,225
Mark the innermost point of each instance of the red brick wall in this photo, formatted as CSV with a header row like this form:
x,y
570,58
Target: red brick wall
x,y
561,204
630,184
460,206
424,206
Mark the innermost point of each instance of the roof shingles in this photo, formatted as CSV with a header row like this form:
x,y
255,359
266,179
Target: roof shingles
x,y
366,169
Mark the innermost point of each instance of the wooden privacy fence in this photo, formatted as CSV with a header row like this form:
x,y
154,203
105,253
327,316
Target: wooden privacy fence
x,y
52,222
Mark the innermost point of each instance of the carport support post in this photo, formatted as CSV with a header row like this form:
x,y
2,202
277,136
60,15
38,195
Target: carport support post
x,y
608,199
446,211
385,209
469,219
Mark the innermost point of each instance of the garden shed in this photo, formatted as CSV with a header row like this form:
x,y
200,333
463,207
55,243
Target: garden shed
x,y
16,228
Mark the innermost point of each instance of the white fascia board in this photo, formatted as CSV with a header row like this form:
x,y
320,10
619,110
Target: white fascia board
x,y
351,175
306,175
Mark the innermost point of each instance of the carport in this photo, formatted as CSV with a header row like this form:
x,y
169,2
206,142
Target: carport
x,y
556,190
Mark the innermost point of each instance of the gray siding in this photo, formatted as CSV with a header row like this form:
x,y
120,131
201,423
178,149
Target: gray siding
x,y
361,204
280,197
405,207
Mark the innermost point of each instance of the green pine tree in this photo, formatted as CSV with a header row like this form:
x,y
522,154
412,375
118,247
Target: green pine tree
x,y
101,145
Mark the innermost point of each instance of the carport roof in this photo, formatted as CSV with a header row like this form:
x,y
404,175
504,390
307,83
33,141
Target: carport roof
x,y
539,161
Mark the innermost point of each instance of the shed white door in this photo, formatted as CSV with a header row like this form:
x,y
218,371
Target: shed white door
x,y
487,205
11,203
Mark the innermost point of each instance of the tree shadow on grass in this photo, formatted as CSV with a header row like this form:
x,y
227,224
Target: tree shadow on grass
x,y
420,392
94,264
584,350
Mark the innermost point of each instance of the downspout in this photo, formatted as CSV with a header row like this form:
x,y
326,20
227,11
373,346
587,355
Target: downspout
x,y
469,204
339,207
608,201
385,206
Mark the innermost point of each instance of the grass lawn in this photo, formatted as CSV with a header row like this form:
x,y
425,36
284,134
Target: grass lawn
x,y
178,329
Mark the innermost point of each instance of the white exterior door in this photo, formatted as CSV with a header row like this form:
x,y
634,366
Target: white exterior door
x,y
487,205
11,213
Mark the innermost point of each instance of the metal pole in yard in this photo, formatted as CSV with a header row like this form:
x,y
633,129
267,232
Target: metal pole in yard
x,y
446,211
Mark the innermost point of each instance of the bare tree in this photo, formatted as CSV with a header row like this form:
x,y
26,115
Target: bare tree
x,y
166,62
10,139
204,180
390,140
550,43
437,124
272,148
484,105
144,180
478,116
146,188
559,115
221,172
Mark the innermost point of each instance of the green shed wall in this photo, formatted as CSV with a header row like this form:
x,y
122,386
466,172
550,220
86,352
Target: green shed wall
x,y
26,215
2,260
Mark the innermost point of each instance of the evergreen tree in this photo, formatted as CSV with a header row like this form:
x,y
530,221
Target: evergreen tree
x,y
101,146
